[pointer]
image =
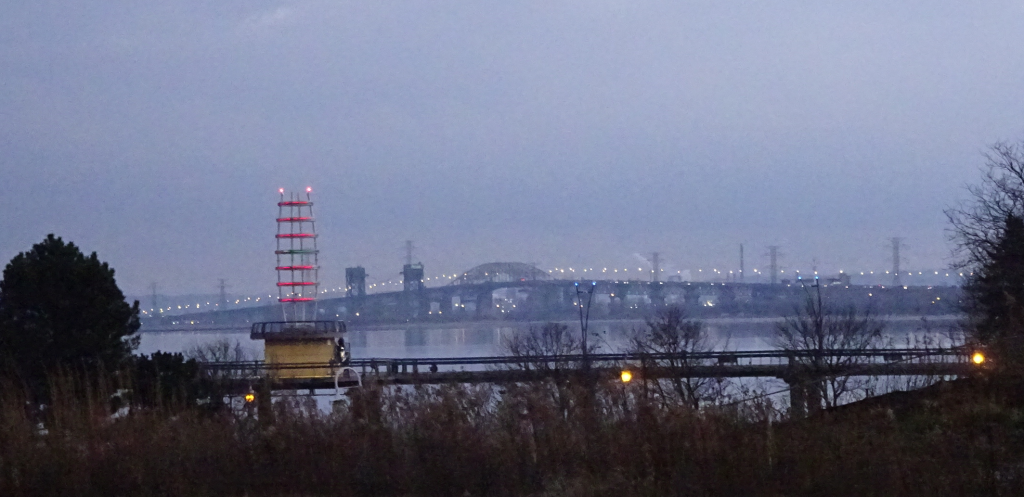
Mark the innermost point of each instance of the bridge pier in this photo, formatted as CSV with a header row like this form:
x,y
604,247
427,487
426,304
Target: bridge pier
x,y
691,297
797,399
485,303
814,395
805,394
656,293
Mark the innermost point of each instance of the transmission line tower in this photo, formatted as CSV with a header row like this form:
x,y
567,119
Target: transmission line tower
x,y
223,286
896,243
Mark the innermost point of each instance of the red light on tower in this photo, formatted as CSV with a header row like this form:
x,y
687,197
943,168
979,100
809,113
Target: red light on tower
x,y
297,257
309,189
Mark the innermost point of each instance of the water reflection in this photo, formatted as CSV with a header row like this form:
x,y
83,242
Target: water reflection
x,y
485,338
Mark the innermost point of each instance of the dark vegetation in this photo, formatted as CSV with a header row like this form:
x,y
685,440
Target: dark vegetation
x,y
613,439
62,309
988,231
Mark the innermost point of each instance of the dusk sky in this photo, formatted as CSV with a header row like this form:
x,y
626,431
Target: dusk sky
x,y
566,133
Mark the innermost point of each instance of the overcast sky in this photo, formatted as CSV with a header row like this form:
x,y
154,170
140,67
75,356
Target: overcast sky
x,y
560,133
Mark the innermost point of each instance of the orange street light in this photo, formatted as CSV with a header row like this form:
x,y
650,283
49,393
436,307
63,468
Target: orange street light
x,y
978,358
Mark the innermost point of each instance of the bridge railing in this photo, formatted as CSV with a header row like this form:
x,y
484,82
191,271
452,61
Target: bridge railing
x,y
720,358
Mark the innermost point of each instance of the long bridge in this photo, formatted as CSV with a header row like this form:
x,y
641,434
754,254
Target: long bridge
x,y
552,299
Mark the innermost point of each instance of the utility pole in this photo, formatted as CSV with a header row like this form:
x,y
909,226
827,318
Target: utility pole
x,y
773,253
896,260
408,252
655,267
585,321
741,263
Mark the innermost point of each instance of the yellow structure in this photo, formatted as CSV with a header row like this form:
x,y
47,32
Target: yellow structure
x,y
319,351
302,349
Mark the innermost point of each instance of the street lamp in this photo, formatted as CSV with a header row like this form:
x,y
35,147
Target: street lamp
x,y
978,358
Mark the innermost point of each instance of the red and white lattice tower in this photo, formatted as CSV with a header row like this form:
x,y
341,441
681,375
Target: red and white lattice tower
x,y
297,263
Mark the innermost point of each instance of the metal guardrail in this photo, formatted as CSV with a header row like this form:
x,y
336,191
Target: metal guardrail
x,y
296,329
758,357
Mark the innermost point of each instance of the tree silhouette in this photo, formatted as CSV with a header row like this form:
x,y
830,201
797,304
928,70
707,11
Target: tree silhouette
x,y
988,230
994,295
59,308
670,332
828,339
976,225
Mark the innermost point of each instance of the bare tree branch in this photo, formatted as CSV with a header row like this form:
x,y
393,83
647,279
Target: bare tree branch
x,y
672,334
976,225
821,332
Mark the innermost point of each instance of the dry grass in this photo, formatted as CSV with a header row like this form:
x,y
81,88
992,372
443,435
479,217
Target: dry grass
x,y
457,440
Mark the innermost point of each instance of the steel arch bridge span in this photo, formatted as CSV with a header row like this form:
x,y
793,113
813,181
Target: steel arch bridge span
x,y
501,272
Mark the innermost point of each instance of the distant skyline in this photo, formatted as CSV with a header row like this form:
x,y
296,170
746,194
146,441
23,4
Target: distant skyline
x,y
562,134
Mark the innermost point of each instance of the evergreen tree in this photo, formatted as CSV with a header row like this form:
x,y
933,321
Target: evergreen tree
x,y
994,294
59,308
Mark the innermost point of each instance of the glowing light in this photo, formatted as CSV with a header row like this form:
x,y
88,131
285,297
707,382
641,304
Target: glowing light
x,y
626,376
250,397
978,358
309,189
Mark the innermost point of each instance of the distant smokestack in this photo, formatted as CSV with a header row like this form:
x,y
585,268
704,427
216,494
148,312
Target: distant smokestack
x,y
741,263
773,253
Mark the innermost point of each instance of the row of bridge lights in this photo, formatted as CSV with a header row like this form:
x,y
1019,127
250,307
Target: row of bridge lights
x,y
197,305
391,283
701,270
239,301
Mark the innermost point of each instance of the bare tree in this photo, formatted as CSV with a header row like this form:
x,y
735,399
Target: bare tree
x,y
219,351
549,341
977,225
535,349
222,351
826,341
668,341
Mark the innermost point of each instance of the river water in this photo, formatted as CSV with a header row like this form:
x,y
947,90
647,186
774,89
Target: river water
x,y
485,338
